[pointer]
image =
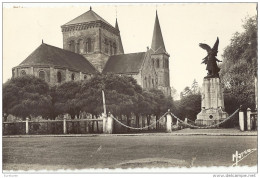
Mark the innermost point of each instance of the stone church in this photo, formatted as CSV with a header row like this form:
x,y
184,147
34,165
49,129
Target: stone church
x,y
91,45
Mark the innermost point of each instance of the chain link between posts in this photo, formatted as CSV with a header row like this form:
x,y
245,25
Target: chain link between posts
x,y
140,128
205,127
194,126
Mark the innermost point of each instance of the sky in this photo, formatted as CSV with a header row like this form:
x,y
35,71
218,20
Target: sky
x,y
183,25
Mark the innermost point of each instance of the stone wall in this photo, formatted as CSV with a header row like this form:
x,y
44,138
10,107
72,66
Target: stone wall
x,y
104,44
161,65
149,78
98,60
51,74
78,35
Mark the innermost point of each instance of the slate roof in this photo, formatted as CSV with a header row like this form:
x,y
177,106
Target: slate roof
x,y
47,55
157,41
89,16
124,63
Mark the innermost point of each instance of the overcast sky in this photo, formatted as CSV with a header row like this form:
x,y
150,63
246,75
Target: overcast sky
x,y
183,25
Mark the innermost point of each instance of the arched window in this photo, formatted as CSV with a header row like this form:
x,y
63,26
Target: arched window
x,y
73,76
110,48
23,73
114,48
42,75
164,63
72,45
59,77
85,77
157,63
106,46
88,45
80,46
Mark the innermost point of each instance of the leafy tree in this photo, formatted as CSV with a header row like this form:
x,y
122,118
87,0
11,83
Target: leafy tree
x,y
26,96
185,92
189,106
122,94
194,87
239,67
65,98
174,93
161,103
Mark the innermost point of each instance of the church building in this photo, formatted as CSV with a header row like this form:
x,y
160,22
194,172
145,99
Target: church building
x,y
91,45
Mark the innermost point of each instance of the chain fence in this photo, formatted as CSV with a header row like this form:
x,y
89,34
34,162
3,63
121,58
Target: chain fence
x,y
205,127
140,128
178,119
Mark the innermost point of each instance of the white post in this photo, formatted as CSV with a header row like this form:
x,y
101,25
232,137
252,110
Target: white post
x,y
104,123
186,120
241,120
109,125
64,126
27,126
248,119
104,102
168,122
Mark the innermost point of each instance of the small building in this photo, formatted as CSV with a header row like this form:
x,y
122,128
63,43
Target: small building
x,y
91,45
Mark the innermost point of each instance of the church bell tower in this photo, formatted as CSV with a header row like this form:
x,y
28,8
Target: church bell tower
x,y
160,59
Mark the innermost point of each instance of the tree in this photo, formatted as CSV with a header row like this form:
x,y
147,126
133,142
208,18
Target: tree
x,y
194,87
239,67
189,106
66,98
187,91
121,93
26,96
161,103
174,93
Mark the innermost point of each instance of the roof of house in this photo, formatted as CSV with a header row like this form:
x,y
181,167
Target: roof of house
x,y
157,41
52,56
124,63
89,16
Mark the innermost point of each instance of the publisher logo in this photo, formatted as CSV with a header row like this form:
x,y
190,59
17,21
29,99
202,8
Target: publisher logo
x,y
237,157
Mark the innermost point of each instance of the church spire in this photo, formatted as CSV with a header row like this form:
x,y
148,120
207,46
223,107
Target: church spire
x,y
120,41
116,25
157,41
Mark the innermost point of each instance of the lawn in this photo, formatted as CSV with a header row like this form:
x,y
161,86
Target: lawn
x,y
52,153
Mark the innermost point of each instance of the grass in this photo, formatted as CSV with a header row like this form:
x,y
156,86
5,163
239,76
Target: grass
x,y
54,153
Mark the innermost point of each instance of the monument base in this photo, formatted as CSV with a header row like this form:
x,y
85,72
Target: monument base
x,y
212,103
210,117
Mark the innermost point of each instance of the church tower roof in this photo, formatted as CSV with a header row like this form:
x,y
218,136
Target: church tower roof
x,y
89,16
157,41
120,41
116,25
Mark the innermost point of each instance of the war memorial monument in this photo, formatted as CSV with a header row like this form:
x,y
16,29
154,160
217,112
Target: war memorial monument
x,y
212,100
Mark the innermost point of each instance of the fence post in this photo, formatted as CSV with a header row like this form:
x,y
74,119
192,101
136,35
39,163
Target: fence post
x,y
27,126
109,125
241,120
64,126
168,122
186,120
104,122
249,124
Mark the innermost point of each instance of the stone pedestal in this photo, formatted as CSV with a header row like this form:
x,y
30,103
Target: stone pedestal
x,y
212,103
168,123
